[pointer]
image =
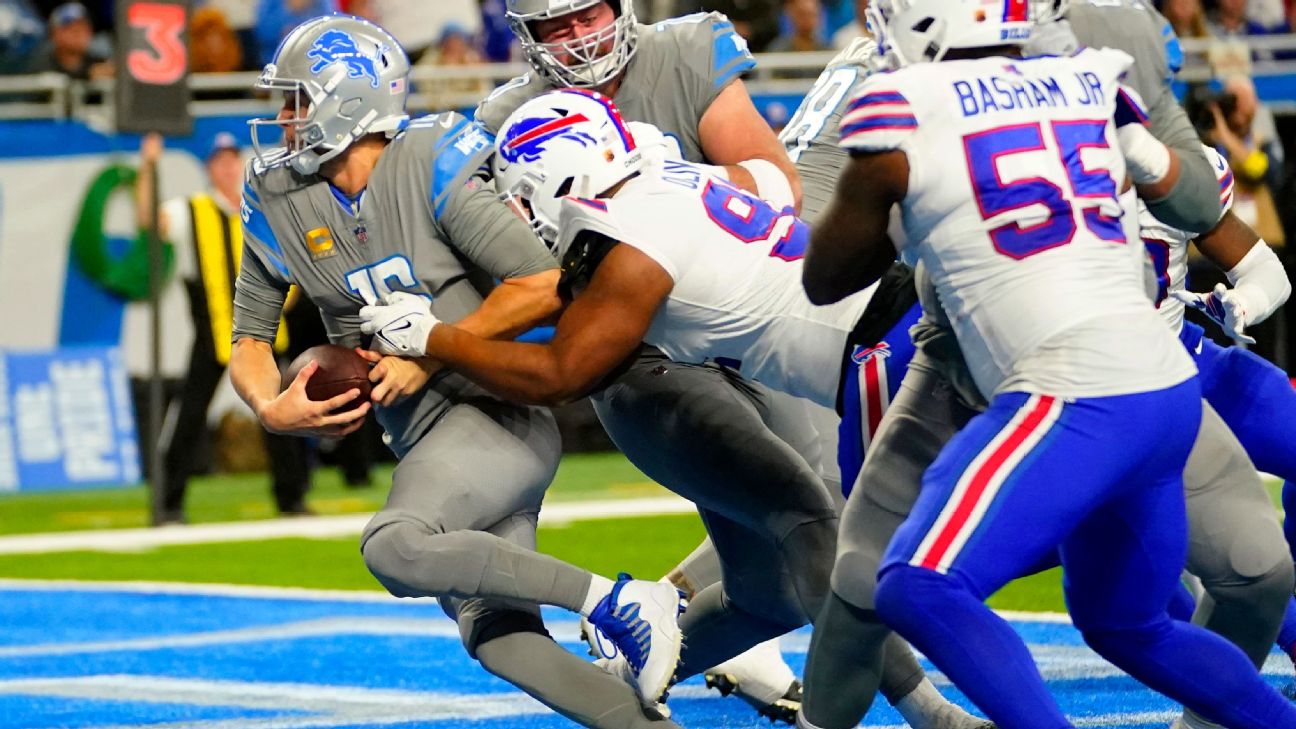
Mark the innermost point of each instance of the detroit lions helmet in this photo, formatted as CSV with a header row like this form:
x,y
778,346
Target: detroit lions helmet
x,y
564,143
590,60
920,31
346,78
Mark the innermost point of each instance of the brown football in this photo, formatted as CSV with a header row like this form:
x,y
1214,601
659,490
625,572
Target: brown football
x,y
340,369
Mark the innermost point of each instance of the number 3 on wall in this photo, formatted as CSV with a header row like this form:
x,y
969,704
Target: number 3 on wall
x,y
162,25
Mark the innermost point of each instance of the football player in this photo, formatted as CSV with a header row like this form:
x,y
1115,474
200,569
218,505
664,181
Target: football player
x,y
683,76
757,676
1016,247
659,251
361,201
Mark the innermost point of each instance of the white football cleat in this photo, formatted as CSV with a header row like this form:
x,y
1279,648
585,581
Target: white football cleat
x,y
621,669
761,678
641,619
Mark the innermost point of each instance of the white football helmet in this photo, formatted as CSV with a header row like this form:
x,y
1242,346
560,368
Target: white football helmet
x,y
921,31
568,142
1048,11
348,78
593,59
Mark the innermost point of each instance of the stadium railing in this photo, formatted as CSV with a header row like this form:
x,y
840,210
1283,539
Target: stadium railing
x,y
779,76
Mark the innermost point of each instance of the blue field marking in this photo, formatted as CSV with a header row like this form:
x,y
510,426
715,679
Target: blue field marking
x,y
209,658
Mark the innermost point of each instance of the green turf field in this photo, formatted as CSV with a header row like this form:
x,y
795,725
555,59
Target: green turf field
x,y
647,546
239,497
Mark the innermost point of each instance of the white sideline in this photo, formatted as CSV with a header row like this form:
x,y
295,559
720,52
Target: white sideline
x,y
310,527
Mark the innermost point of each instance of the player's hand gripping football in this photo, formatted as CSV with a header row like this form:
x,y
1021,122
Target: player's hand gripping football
x,y
396,378
294,413
399,324
1224,306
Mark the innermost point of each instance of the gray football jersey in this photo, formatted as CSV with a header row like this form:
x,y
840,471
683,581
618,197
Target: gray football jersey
x,y
1138,29
811,136
680,66
425,224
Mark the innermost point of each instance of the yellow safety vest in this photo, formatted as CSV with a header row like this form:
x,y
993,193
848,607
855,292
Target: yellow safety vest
x,y
218,249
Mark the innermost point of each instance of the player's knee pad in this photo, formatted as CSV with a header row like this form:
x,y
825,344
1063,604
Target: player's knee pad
x,y
1270,589
855,575
478,627
389,552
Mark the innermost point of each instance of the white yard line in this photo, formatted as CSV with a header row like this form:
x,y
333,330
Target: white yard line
x,y
335,706
316,527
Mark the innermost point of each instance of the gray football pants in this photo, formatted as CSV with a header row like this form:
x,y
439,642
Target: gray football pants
x,y
714,438
459,525
1236,545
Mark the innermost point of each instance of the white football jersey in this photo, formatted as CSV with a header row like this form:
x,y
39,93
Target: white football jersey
x,y
1013,206
736,264
1167,247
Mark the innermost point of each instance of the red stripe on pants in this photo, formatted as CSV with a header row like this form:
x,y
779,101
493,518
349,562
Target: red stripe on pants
x,y
981,480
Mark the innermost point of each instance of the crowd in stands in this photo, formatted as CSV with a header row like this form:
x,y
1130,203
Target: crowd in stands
x,y
233,35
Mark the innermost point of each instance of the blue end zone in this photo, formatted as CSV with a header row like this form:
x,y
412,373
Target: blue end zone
x,y
85,657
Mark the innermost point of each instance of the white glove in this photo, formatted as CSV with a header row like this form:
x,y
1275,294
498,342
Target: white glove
x,y
400,324
1224,306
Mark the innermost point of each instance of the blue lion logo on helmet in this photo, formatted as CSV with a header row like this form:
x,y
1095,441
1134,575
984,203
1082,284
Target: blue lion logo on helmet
x,y
336,46
526,140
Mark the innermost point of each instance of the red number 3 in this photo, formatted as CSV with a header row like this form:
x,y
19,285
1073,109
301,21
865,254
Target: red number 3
x,y
162,25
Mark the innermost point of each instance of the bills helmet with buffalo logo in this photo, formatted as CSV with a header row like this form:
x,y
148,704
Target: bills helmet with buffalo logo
x,y
341,78
564,143
923,31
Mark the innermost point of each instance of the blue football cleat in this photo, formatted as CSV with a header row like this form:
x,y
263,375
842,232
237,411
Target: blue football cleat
x,y
641,619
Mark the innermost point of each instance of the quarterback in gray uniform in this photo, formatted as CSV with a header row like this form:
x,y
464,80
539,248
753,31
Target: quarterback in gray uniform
x,y
362,202
1236,545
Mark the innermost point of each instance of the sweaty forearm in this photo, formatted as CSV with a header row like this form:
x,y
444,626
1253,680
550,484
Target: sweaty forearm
x,y
514,307
254,373
524,373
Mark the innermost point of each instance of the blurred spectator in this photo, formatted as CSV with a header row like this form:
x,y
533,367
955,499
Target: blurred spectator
x,y
755,20
455,48
213,47
70,48
367,9
855,29
1186,17
276,17
1268,14
417,24
1243,130
241,17
804,19
204,231
1229,19
498,42
21,31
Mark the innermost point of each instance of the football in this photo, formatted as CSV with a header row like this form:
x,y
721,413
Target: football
x,y
340,369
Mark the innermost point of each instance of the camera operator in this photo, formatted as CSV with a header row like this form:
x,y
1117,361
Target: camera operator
x,y
1235,122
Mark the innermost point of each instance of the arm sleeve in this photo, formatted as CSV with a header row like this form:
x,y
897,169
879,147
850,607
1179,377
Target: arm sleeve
x,y
258,300
491,236
879,118
470,214
1193,204
259,238
723,55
